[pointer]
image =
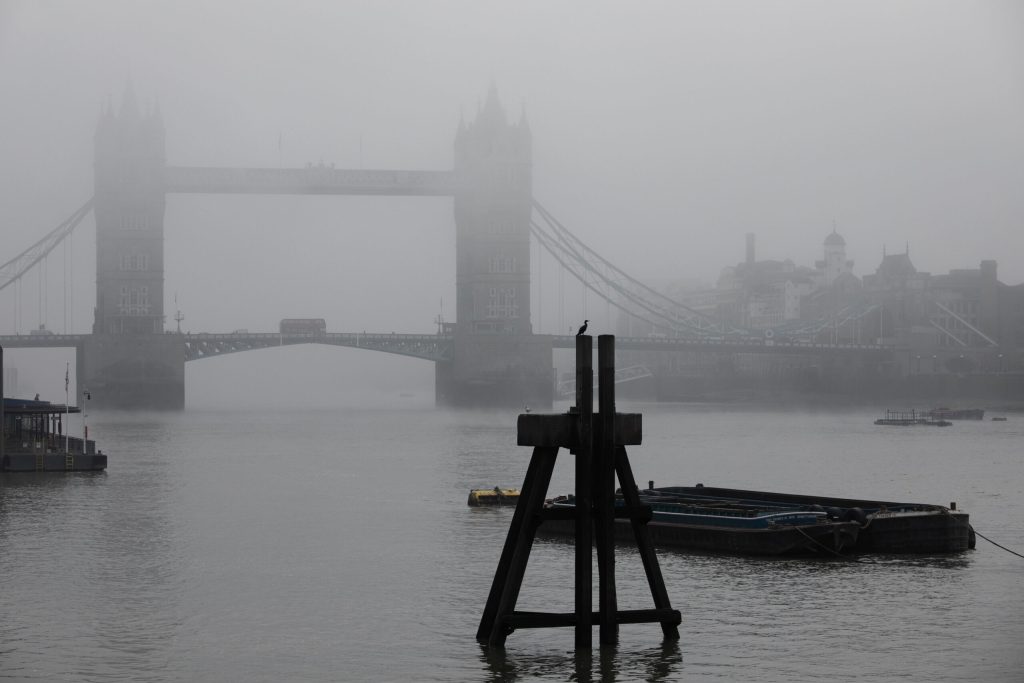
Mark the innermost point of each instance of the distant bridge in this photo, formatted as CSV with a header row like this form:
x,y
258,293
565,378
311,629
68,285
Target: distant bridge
x,y
430,347
434,347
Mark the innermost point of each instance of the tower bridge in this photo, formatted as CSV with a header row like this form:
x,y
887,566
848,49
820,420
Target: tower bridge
x,y
431,347
436,348
490,355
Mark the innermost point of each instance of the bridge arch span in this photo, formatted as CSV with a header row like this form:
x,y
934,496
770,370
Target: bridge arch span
x,y
312,379
431,347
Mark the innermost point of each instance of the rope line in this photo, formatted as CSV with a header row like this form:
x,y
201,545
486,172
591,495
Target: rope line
x,y
1003,547
978,533
830,550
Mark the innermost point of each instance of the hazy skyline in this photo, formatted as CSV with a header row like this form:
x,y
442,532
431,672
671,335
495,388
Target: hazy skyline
x,y
663,132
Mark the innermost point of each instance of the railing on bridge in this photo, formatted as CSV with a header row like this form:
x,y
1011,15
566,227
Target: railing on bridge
x,y
738,344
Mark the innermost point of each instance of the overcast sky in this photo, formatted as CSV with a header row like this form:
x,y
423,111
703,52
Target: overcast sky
x,y
663,133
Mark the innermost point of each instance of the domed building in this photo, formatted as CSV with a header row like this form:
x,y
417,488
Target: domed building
x,y
835,264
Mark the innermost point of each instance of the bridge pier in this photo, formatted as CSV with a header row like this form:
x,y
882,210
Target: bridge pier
x,y
496,371
139,372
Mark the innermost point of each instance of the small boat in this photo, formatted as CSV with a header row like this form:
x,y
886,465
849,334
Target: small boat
x,y
732,527
956,413
884,526
999,419
492,497
910,418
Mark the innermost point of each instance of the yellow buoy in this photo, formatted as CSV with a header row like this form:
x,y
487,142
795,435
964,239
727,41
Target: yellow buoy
x,y
495,496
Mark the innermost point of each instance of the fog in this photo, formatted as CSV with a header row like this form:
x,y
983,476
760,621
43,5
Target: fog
x,y
662,132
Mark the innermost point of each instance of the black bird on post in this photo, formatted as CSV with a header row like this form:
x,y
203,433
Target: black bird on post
x,y
583,328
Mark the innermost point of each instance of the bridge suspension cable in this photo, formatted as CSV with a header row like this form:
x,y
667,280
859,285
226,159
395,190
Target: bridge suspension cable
x,y
13,270
809,329
619,289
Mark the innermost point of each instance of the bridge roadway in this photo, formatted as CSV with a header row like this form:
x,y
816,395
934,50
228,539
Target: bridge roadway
x,y
204,345
435,347
42,341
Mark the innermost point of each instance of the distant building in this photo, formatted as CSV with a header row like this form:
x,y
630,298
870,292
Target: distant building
x,y
762,295
961,321
835,264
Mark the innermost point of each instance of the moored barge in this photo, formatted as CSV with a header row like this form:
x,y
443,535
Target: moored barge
x,y
34,439
885,526
910,418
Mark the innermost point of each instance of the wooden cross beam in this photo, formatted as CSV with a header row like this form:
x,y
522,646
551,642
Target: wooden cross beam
x,y
598,441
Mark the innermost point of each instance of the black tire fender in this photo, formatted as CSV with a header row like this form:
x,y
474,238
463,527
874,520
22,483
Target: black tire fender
x,y
855,515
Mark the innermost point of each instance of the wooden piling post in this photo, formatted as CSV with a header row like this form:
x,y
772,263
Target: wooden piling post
x,y
531,499
598,442
3,420
631,497
584,487
604,491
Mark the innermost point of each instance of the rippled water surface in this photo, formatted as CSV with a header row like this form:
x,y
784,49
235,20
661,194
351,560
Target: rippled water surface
x,y
337,546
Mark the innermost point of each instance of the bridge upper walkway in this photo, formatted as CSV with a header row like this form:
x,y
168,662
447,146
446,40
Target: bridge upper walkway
x,y
311,180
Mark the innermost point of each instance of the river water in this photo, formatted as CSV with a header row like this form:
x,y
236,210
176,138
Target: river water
x,y
336,545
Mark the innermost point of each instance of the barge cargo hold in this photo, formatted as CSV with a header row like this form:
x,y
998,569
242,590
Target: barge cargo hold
x,y
732,527
886,527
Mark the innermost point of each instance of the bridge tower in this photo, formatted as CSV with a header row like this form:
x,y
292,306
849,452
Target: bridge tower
x,y
129,361
497,359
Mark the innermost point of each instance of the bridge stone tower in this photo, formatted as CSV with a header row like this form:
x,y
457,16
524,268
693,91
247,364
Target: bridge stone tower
x,y
497,359
129,361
